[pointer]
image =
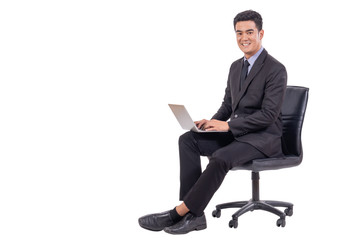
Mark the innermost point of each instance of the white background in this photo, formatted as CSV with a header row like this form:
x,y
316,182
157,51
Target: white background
x,y
88,144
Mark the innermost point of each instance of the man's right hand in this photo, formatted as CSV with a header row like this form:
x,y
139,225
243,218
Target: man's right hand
x,y
213,125
201,124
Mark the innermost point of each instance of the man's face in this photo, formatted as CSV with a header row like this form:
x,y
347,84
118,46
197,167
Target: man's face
x,y
248,37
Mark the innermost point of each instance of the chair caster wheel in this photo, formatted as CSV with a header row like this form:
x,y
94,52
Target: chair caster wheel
x,y
233,223
216,213
289,212
281,222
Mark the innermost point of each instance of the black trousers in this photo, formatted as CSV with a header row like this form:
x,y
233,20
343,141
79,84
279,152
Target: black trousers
x,y
197,187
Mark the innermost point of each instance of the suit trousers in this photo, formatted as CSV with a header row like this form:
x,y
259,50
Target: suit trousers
x,y
224,152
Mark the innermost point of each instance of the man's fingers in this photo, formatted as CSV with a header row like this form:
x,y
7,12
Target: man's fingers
x,y
201,123
209,126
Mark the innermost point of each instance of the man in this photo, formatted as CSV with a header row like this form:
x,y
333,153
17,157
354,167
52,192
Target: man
x,y
252,101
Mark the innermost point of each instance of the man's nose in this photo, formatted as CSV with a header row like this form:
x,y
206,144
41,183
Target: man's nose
x,y
243,37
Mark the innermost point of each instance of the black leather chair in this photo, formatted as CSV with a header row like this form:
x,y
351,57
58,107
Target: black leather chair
x,y
293,111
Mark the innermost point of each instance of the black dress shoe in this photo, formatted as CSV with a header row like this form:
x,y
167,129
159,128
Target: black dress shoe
x,y
187,224
156,222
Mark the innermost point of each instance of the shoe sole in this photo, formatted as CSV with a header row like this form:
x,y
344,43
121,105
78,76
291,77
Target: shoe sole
x,y
154,230
198,228
202,227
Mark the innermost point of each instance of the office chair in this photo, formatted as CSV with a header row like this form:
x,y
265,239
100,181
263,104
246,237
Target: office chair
x,y
293,111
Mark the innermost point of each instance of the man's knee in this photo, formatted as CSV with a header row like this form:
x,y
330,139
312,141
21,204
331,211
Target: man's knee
x,y
186,138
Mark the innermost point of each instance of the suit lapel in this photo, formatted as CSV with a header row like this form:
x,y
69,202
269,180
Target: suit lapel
x,y
254,70
237,82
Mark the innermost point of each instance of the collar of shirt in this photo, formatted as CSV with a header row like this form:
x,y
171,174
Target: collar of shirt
x,y
253,58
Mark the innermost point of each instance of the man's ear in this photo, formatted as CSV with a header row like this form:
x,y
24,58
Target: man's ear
x,y
261,33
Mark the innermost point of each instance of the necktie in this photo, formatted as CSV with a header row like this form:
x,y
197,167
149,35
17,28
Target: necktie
x,y
244,72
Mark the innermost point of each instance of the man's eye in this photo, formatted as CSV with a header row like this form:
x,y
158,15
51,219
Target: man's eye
x,y
249,33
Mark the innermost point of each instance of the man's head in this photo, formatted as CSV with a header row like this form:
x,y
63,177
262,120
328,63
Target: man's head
x,y
249,32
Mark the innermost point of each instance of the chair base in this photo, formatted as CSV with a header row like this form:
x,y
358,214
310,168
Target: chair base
x,y
256,204
246,206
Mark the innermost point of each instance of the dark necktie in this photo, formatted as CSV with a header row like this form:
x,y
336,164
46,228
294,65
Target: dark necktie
x,y
244,72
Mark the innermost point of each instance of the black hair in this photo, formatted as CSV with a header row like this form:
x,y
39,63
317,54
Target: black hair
x,y
249,15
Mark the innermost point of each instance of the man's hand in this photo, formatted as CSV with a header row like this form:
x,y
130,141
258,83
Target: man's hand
x,y
201,124
212,125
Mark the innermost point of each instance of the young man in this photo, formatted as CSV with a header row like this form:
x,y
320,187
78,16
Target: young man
x,y
252,101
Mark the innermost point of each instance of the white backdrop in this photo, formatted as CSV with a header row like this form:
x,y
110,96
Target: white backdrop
x,y
88,143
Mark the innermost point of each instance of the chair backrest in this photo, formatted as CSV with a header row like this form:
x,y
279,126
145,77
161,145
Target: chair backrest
x,y
293,112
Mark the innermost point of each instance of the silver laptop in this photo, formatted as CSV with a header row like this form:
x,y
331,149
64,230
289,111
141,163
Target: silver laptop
x,y
184,118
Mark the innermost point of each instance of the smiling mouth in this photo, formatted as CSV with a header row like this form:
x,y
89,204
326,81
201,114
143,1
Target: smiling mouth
x,y
245,44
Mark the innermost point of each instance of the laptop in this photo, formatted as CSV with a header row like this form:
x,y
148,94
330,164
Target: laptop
x,y
184,118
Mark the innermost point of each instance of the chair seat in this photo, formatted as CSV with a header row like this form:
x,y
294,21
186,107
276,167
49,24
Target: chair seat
x,y
270,163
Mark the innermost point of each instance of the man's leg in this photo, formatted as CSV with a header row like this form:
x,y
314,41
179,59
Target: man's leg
x,y
192,145
221,161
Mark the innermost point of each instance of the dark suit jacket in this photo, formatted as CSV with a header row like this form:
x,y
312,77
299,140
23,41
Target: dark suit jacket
x,y
255,110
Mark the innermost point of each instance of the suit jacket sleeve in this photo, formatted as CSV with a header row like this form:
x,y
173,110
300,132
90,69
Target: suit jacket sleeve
x,y
225,110
274,90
